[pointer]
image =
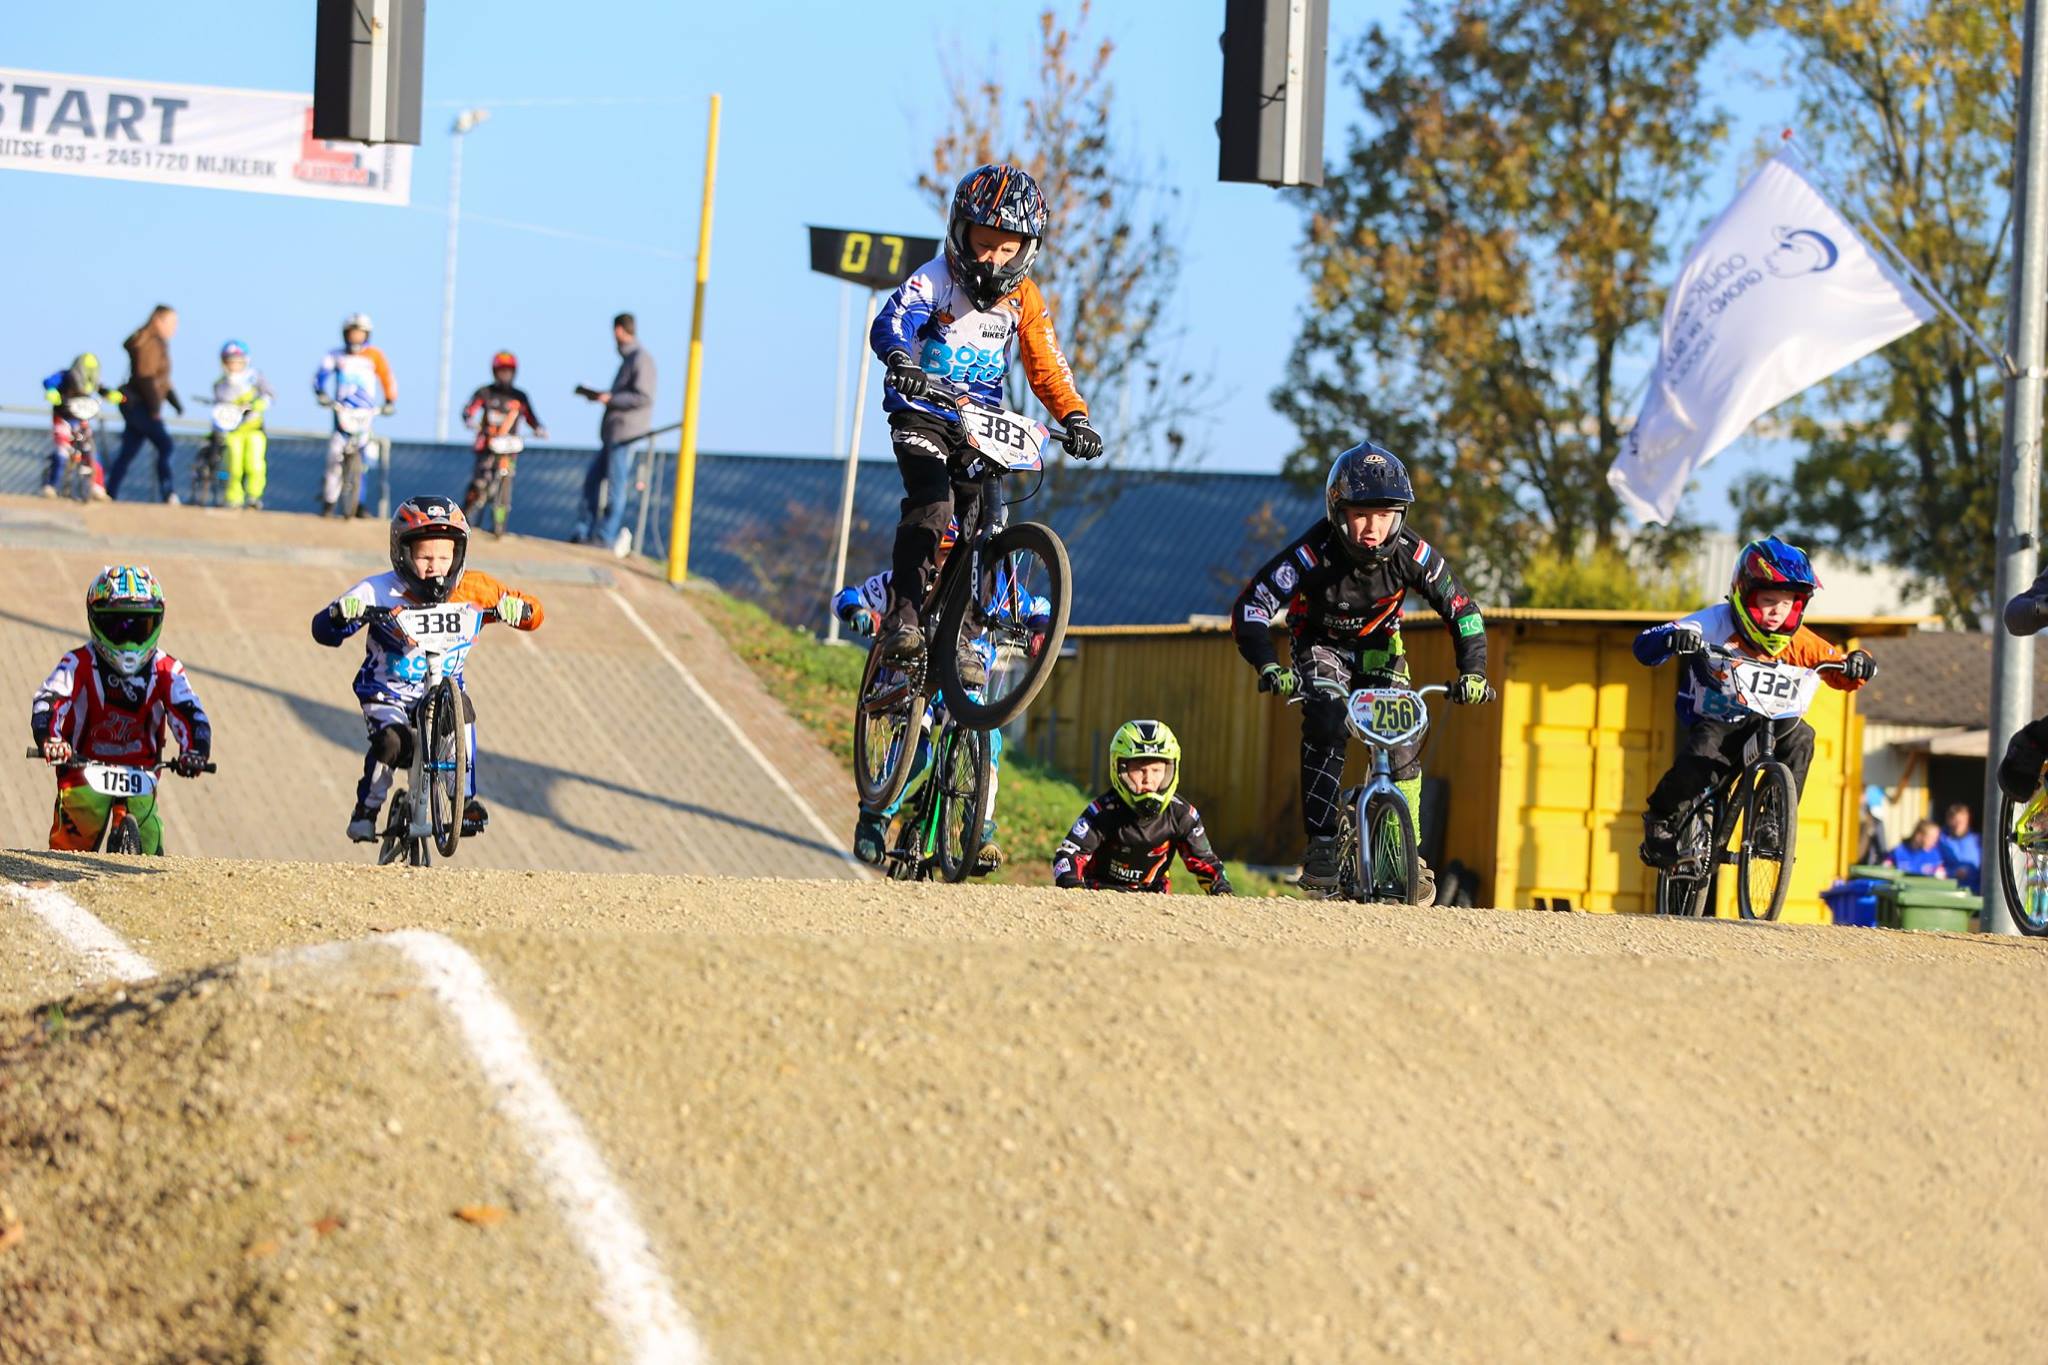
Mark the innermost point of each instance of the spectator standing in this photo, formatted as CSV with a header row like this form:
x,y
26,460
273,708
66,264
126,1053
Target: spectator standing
x,y
1920,854
144,395
628,416
1962,851
1870,841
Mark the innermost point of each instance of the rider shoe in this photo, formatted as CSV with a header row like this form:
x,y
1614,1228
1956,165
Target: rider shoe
x,y
474,818
254,504
1425,883
326,509
622,543
869,834
174,501
98,493
1319,865
904,643
1660,843
973,669
362,825
991,855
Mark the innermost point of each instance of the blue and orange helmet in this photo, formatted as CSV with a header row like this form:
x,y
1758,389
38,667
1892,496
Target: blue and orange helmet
x,y
1770,563
994,196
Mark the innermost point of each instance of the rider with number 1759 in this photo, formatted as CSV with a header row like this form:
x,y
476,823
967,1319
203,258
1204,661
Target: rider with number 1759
x,y
955,319
1773,582
429,542
1342,583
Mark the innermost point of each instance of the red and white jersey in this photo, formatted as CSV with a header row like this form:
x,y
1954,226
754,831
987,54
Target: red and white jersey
x,y
101,725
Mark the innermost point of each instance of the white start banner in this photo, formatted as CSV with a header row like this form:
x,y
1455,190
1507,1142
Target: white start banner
x,y
260,141
1778,294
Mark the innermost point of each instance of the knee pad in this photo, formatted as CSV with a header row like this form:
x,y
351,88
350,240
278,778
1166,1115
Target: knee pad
x,y
392,746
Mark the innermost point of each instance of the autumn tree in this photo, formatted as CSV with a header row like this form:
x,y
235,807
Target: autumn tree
x,y
1911,106
1112,258
1485,260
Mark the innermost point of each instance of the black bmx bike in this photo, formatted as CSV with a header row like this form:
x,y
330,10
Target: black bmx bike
x,y
1760,798
938,832
426,815
1000,602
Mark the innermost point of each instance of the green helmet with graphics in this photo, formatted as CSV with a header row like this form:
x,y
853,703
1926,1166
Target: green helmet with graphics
x,y
125,609
1144,741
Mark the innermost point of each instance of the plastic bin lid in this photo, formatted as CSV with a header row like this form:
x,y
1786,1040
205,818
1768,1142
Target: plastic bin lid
x,y
1874,872
1940,900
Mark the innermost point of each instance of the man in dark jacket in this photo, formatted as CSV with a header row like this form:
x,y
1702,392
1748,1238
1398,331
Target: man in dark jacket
x,y
628,416
144,395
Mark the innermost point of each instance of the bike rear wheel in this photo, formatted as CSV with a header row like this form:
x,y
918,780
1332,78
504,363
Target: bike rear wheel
x,y
1385,866
447,763
2023,868
1770,828
993,618
964,775
886,721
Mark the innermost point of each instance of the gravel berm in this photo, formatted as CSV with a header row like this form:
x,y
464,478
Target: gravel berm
x,y
882,1123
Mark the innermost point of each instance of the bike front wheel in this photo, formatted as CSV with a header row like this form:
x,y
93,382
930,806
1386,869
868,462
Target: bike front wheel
x,y
992,628
2023,865
1385,866
447,763
125,836
1770,828
965,775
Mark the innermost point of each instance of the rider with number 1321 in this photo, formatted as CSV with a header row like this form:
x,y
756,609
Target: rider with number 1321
x,y
429,541
955,318
1772,584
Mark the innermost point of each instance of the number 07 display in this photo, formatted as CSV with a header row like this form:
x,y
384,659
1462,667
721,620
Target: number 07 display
x,y
878,260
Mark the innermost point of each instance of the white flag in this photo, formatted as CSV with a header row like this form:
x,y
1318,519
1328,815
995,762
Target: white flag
x,y
1778,294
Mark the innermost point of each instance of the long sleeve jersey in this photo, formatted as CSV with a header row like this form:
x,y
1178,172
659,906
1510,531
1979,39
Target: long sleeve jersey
x,y
1114,847
363,374
63,386
239,387
1331,596
502,406
931,319
390,671
107,717
1717,627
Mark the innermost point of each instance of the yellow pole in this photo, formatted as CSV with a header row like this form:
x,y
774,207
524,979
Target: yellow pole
x,y
686,454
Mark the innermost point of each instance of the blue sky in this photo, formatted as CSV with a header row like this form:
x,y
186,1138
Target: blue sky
x,y
829,109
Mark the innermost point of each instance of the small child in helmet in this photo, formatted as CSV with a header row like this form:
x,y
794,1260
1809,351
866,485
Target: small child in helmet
x,y
429,541
80,380
493,411
1126,839
1342,583
860,608
955,319
1772,584
247,446
110,701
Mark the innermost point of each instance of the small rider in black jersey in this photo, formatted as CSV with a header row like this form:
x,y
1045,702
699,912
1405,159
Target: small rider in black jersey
x,y
494,410
1341,583
1126,839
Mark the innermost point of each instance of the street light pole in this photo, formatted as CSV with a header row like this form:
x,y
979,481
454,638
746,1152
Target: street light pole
x,y
464,121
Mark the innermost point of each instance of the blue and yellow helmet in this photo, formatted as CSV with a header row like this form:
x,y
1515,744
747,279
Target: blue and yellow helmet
x,y
124,607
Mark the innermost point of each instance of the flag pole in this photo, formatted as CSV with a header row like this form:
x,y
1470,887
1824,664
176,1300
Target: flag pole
x,y
1898,258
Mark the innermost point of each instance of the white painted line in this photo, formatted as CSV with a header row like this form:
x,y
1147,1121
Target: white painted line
x,y
104,951
831,840
636,1296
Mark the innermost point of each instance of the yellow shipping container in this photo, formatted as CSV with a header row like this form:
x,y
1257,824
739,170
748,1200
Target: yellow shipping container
x,y
1545,789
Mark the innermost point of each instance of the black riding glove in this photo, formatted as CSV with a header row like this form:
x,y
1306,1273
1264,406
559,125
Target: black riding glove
x,y
1083,441
906,376
1687,637
1859,666
1221,887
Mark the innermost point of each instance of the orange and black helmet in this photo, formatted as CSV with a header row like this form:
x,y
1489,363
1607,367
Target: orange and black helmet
x,y
504,360
428,517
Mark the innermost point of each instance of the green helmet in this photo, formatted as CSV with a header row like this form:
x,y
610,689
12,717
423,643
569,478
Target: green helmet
x,y
1142,741
125,609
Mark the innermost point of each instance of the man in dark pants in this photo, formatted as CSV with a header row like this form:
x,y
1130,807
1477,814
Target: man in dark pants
x,y
628,416
144,395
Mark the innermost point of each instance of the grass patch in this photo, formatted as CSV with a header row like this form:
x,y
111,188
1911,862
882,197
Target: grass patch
x,y
816,683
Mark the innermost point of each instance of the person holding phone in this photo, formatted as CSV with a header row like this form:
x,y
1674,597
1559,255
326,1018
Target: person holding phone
x,y
628,416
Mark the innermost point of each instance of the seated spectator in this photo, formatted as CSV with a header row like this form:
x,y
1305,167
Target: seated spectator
x,y
1962,851
1921,852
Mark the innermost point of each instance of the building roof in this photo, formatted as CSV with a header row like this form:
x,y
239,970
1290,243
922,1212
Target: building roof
x,y
1937,678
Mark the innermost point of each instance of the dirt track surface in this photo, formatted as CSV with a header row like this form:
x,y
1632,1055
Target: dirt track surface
x,y
595,754
867,1122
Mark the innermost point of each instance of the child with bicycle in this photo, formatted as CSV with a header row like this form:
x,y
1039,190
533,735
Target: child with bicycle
x,y
111,700
1767,596
246,448
956,318
1341,584
495,411
860,608
429,542
80,380
1126,839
